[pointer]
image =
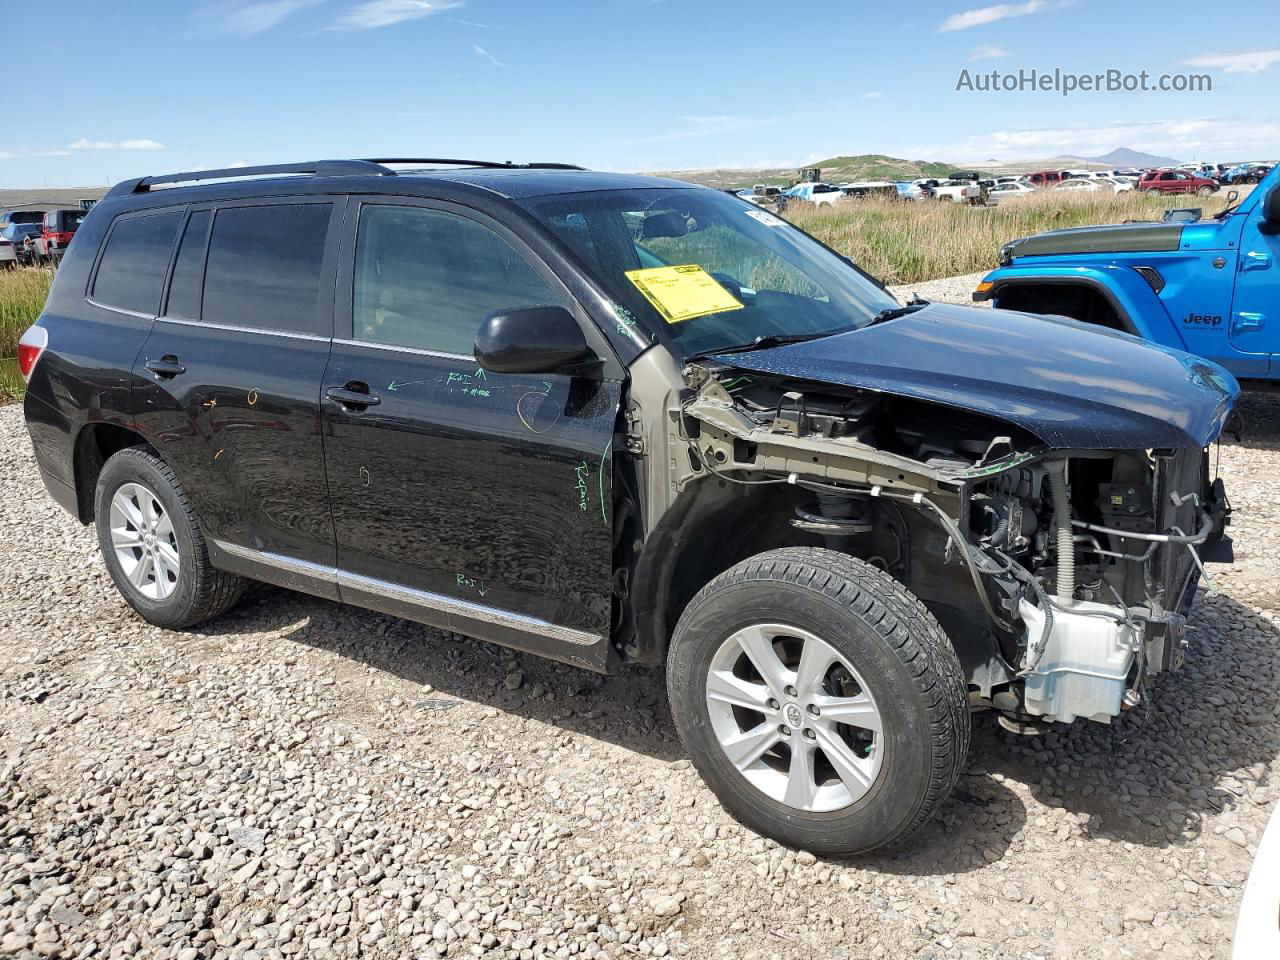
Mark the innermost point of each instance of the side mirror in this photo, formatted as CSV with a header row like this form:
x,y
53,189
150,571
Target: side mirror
x,y
542,339
1271,211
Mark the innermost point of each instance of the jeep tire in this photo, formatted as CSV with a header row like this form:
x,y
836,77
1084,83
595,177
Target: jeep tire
x,y
819,699
153,545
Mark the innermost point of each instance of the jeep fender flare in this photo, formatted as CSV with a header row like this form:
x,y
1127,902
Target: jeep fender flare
x,y
1135,308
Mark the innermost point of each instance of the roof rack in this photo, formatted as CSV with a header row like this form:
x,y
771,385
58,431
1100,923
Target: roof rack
x,y
487,164
320,168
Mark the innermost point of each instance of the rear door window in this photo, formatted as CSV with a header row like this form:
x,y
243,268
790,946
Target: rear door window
x,y
263,267
134,262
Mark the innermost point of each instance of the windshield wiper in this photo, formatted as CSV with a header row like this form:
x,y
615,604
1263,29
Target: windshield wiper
x,y
764,342
893,313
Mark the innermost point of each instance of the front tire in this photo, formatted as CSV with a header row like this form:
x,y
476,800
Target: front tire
x,y
153,544
819,699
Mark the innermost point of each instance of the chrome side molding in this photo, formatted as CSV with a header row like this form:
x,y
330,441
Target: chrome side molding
x,y
412,596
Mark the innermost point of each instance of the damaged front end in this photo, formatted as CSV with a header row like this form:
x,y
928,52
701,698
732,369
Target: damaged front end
x,y
1063,575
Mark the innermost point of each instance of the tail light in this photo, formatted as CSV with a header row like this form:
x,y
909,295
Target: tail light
x,y
30,346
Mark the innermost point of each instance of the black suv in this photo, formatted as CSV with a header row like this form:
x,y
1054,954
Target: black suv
x,y
617,419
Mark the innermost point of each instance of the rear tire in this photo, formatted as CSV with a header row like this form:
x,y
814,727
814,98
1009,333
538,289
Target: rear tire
x,y
153,544
1205,191
862,678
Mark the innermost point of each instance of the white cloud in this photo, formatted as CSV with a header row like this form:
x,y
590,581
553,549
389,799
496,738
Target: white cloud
x,y
1253,61
86,144
873,95
968,19
384,13
988,51
254,18
481,51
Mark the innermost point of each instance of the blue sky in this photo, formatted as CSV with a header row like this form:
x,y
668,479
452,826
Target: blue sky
x,y
146,86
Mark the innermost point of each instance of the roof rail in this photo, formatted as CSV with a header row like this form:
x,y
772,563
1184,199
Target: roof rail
x,y
487,164
318,168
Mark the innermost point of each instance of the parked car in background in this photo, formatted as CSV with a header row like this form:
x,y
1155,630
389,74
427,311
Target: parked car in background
x,y
1209,286
21,236
1243,173
1176,181
1079,185
913,191
449,395
8,256
819,194
1014,190
1117,184
1045,178
868,189
20,216
764,195
961,191
56,231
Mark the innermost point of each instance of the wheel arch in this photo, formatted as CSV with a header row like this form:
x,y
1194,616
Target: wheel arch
x,y
715,524
1133,311
95,444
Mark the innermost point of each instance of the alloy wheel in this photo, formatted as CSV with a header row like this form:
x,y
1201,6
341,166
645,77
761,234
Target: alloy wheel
x,y
794,717
143,540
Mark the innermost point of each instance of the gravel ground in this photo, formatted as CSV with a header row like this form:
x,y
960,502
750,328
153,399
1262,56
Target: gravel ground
x,y
948,289
305,779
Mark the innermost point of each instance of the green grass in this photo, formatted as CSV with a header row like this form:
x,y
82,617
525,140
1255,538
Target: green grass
x,y
914,242
22,296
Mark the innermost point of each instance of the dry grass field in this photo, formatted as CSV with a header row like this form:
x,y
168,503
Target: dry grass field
x,y
912,242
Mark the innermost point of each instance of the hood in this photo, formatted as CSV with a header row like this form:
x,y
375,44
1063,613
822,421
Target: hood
x,y
1071,384
1116,238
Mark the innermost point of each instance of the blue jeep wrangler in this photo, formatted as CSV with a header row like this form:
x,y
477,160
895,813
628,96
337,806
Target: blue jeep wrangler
x,y
1210,286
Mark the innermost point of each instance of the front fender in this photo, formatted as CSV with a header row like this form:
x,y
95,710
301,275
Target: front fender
x,y
1142,312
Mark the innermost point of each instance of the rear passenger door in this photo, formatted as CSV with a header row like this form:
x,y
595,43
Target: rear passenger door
x,y
232,373
472,500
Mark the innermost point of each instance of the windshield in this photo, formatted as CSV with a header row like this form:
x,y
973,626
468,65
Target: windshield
x,y
699,270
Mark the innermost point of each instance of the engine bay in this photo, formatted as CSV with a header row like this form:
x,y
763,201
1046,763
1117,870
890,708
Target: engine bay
x,y
1062,575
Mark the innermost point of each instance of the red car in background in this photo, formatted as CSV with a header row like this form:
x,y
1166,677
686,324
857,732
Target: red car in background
x,y
1177,181
55,233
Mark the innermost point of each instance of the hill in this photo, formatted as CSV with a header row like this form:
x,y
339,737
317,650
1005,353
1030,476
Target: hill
x,y
870,166
1124,157
878,166
48,199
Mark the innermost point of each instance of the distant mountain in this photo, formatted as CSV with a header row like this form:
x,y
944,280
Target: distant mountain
x,y
1124,157
878,166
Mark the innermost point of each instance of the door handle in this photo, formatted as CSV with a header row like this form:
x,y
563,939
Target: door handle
x,y
166,367
1255,261
352,396
1245,320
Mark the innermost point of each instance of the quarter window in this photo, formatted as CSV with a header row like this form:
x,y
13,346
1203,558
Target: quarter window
x,y
263,267
134,262
188,269
426,279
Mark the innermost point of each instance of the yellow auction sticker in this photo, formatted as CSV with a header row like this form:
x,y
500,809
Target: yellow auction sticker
x,y
682,293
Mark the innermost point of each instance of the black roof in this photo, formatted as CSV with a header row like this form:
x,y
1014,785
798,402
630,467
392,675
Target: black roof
x,y
508,180
518,184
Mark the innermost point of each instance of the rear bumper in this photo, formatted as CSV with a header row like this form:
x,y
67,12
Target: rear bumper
x,y
51,441
63,494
